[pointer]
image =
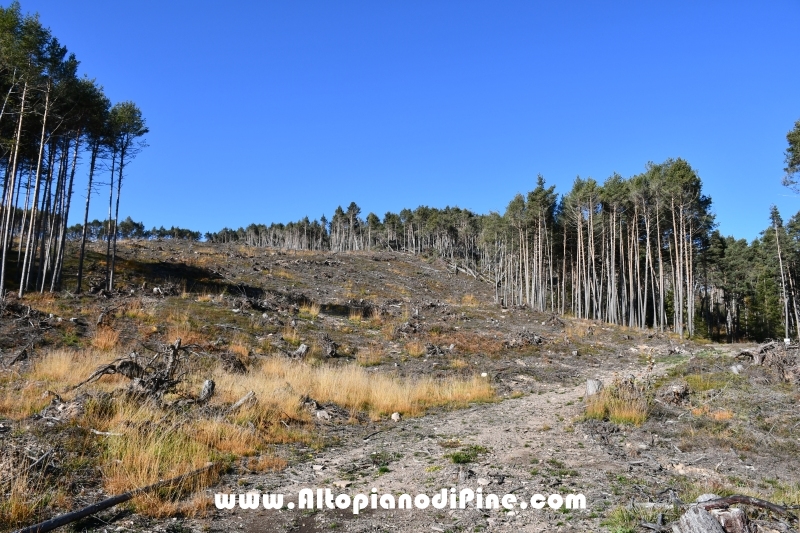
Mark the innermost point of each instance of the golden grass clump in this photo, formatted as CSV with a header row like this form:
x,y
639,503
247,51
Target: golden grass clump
x,y
371,355
416,348
706,382
375,318
722,415
56,371
225,437
389,330
469,300
105,338
25,501
290,335
134,310
458,364
240,346
356,314
311,309
180,327
266,463
282,273
280,383
472,343
623,402
143,455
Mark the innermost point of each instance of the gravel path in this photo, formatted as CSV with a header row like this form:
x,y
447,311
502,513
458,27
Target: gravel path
x,y
531,447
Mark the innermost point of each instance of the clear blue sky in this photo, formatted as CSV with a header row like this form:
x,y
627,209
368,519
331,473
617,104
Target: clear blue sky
x,y
270,111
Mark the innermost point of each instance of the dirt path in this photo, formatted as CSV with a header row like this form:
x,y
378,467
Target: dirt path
x,y
531,447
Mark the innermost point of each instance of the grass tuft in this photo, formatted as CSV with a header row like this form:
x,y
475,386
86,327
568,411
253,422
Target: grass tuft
x,y
105,339
310,309
416,348
625,401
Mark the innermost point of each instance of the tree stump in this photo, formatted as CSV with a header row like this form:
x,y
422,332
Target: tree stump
x,y
697,520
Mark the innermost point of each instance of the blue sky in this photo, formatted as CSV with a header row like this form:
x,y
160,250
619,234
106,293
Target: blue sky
x,y
270,111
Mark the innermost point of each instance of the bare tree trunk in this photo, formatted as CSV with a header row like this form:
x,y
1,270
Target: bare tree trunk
x,y
783,283
116,219
56,280
8,207
26,263
95,150
110,204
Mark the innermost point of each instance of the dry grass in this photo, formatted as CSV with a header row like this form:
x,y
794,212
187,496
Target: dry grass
x,y
105,338
20,401
282,273
279,384
266,463
471,342
44,302
180,327
458,364
144,455
389,331
722,415
371,355
240,346
24,502
622,402
290,335
54,371
356,315
66,367
416,348
775,491
311,309
135,311
375,318
225,437
469,300
140,452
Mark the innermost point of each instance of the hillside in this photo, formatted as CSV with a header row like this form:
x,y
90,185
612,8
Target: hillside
x,y
332,345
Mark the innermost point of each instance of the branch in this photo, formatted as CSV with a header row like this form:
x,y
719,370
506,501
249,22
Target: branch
x,y
720,503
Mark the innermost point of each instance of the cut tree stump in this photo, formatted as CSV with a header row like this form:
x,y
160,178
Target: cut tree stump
x,y
698,520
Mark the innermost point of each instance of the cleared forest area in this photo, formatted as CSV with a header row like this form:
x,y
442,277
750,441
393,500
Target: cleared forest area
x,y
311,353
605,340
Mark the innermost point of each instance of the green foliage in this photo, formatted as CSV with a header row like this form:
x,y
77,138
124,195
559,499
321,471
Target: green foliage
x,y
468,454
792,168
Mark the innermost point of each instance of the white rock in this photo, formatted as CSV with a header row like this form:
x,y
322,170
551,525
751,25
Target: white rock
x,y
593,386
396,417
318,467
482,481
342,484
484,375
323,415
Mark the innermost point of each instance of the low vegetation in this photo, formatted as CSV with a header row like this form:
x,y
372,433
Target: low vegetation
x,y
624,401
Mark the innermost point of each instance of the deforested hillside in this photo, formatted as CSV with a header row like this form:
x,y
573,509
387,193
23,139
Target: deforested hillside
x,y
264,370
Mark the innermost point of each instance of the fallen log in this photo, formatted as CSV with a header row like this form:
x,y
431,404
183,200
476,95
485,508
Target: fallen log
x,y
720,503
250,396
49,525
